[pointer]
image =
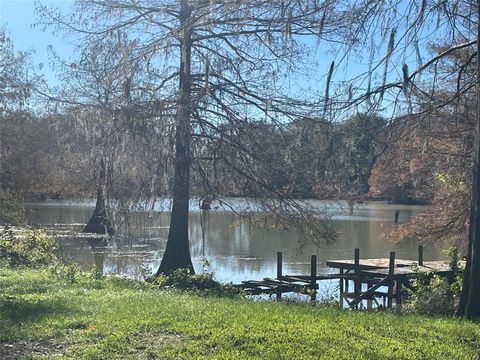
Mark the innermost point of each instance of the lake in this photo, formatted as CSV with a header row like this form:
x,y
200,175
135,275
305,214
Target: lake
x,y
234,250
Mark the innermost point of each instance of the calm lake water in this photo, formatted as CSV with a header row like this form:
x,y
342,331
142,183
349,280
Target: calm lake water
x,y
235,250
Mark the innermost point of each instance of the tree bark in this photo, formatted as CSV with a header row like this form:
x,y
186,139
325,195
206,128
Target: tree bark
x,y
469,306
99,223
177,252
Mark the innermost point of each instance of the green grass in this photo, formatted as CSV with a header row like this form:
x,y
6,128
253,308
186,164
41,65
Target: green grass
x,y
82,317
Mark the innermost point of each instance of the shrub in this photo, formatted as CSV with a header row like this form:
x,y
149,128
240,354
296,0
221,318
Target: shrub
x,y
182,279
29,248
68,272
436,295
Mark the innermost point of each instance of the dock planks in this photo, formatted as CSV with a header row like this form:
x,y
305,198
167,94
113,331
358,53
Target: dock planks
x,y
402,267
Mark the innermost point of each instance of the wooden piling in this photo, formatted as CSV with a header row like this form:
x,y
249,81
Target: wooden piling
x,y
397,215
313,277
341,289
279,265
279,272
420,255
347,284
391,273
357,283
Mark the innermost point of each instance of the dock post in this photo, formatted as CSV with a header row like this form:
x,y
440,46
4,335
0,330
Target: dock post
x,y
279,265
313,277
420,255
391,272
357,283
279,272
341,289
397,215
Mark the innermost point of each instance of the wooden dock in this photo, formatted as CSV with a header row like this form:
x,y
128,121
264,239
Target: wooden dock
x,y
378,282
302,284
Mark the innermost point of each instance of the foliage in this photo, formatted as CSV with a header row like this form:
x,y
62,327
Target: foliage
x,y
446,221
68,272
436,295
11,209
448,181
29,248
15,86
432,295
117,319
183,279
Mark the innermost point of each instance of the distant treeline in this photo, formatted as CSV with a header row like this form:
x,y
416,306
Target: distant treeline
x,y
364,157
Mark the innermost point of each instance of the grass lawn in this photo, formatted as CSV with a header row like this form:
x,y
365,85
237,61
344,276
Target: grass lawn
x,y
81,317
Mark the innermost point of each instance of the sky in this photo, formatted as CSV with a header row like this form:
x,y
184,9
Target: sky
x,y
18,18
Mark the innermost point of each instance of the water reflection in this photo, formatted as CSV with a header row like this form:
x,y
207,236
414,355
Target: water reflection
x,y
235,250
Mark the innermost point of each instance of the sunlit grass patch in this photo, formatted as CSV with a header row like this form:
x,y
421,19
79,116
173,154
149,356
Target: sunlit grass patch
x,y
111,318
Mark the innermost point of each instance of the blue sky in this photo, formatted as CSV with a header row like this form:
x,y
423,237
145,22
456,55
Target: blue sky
x,y
18,17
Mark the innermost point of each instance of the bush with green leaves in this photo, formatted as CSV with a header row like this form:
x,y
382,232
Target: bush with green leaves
x,y
436,295
28,248
182,279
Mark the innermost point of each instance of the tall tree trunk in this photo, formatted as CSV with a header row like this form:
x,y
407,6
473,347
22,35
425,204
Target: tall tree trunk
x,y
469,306
177,252
99,223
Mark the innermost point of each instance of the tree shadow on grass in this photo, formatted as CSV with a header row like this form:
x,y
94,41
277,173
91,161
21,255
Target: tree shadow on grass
x,y
17,314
